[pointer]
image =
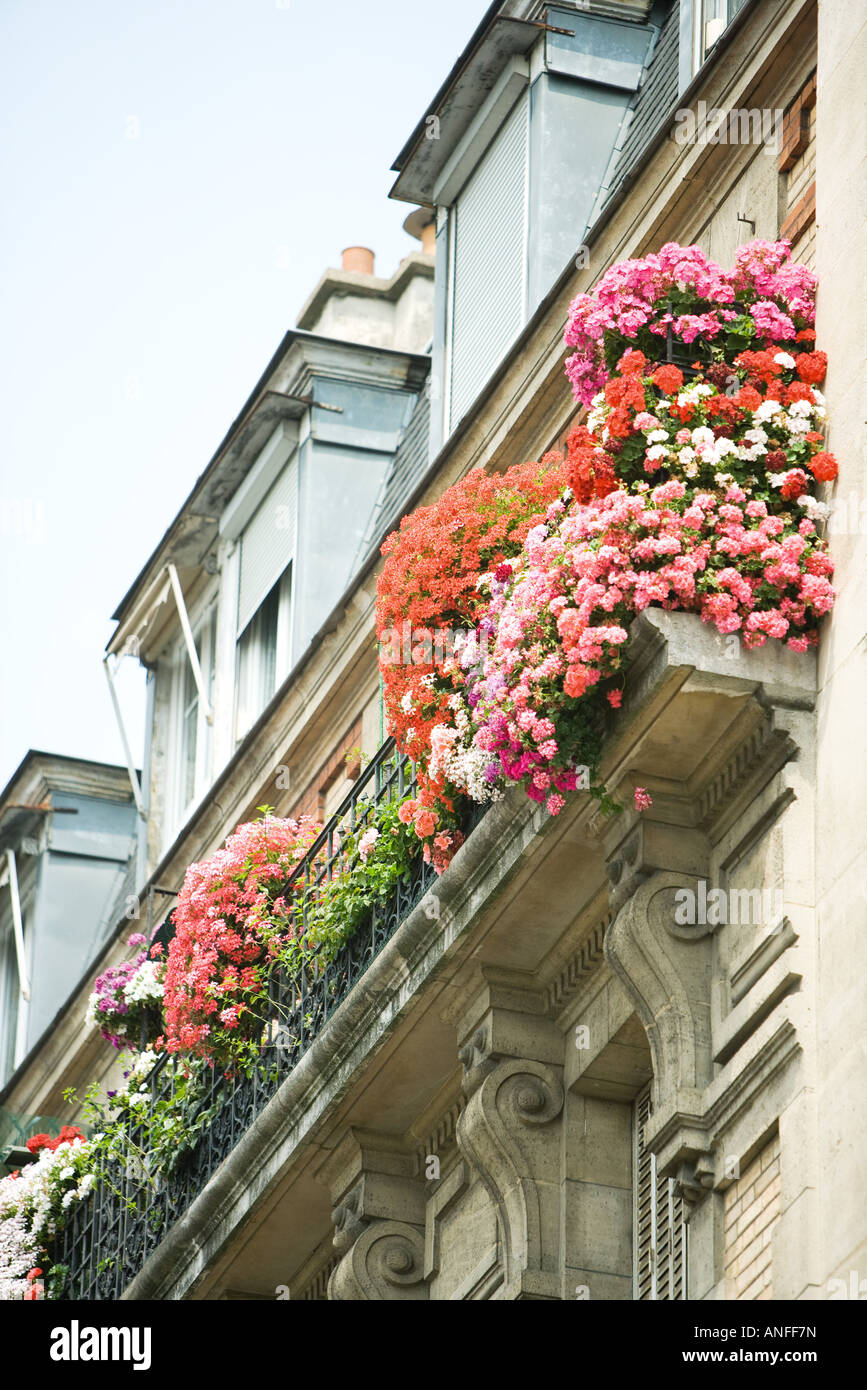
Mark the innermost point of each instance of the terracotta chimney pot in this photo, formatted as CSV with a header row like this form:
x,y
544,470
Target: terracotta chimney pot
x,y
358,259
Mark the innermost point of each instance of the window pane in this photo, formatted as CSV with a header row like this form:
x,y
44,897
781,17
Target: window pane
x,y
257,661
8,1004
189,731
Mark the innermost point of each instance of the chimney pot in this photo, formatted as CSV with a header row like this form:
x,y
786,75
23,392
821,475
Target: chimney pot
x,y
358,259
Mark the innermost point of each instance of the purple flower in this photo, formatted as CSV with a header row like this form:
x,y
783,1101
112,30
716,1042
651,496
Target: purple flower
x,y
491,772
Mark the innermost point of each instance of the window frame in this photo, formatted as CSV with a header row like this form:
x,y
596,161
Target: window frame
x,y
182,674
285,590
702,50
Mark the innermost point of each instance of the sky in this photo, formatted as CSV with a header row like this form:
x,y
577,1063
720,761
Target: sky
x,y
176,177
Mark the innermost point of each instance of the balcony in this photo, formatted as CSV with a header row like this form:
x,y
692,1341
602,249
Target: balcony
x,y
423,1124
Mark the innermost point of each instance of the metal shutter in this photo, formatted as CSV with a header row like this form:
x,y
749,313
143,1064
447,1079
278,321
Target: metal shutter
x,y
268,542
660,1229
490,261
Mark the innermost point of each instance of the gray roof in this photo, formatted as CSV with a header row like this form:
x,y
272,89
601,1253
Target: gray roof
x,y
654,100
409,462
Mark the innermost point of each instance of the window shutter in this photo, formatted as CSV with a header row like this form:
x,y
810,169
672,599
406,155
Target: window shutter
x,y
660,1230
268,542
490,261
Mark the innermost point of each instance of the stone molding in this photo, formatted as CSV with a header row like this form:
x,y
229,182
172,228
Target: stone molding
x,y
378,1219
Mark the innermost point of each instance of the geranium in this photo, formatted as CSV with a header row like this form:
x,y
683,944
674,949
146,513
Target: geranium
x,y
34,1206
230,920
429,594
719,312
126,999
562,626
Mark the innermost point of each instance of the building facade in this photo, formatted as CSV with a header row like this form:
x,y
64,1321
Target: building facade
x,y
533,1077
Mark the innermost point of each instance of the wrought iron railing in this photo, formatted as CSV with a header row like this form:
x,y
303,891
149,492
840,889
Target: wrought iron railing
x,y
130,1211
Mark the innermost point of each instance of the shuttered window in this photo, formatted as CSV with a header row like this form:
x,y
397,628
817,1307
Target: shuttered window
x,y
660,1229
490,261
268,543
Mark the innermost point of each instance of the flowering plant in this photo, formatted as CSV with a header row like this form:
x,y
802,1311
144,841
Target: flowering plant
x,y
695,495
428,586
231,919
127,997
375,856
34,1205
763,433
720,313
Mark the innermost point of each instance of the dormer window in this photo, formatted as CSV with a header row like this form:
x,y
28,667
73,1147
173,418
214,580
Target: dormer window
x,y
489,284
514,156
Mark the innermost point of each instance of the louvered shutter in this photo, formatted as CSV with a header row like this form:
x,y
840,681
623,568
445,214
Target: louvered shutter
x,y
490,261
660,1231
268,542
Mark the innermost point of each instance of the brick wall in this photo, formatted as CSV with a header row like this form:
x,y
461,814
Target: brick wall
x,y
316,800
797,162
752,1206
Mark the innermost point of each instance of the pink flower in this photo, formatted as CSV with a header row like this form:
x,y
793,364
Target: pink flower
x,y
367,842
643,800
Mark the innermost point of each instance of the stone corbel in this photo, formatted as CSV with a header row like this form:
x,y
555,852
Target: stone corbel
x,y
666,969
378,1218
508,1131
694,1180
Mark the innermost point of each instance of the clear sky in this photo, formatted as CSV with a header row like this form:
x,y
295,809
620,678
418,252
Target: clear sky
x,y
176,177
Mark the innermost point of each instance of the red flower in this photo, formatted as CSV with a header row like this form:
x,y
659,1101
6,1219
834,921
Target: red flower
x,y
748,398
632,362
823,467
795,483
615,698
812,366
668,378
33,1273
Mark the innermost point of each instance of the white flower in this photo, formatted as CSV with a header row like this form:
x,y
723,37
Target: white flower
x,y
687,454
656,436
815,510
406,702
656,451
725,446
797,424
702,435
784,360
801,408
767,409
757,436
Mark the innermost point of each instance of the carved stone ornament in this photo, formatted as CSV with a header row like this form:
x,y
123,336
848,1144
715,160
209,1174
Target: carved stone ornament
x,y
508,1135
386,1262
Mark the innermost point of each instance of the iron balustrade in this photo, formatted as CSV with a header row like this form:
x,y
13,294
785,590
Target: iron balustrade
x,y
112,1232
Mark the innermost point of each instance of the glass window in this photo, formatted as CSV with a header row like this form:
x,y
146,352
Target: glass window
x,y
713,18
194,731
8,1004
262,654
